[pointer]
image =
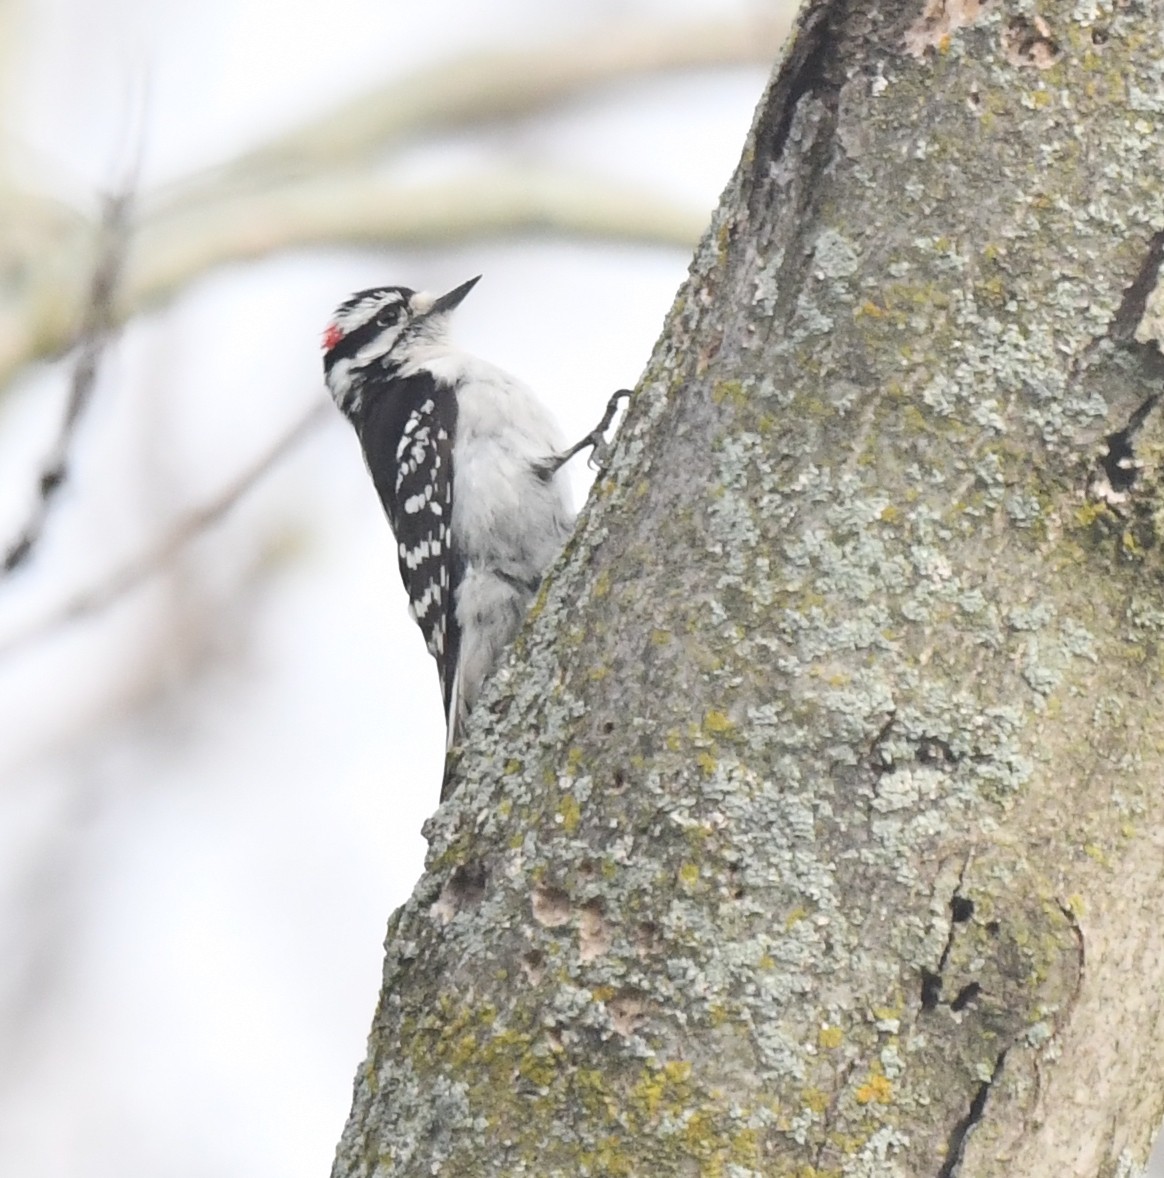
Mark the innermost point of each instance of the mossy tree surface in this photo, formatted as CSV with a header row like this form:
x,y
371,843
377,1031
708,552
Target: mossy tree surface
x,y
816,825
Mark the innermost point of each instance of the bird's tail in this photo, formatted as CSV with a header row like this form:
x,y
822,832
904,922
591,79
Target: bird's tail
x,y
455,728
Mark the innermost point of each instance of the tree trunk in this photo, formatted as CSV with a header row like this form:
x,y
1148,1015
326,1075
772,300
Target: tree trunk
x,y
816,826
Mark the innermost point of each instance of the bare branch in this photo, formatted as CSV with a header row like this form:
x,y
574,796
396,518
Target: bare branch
x,y
485,87
353,209
188,528
96,329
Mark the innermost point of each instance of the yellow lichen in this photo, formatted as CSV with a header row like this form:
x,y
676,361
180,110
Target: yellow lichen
x,y
569,813
876,1089
729,390
815,1099
717,722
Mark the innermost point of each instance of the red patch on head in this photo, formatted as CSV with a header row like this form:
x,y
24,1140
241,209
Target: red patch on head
x,y
332,336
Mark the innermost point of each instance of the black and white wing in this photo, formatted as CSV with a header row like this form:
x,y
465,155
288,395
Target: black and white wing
x,y
407,435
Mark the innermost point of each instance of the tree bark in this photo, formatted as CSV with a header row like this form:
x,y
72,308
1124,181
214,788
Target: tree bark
x,y
816,825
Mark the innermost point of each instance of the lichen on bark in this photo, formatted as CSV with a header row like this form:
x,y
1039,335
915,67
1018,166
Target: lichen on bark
x,y
813,827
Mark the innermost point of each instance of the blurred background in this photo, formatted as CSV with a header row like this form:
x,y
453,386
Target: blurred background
x,y
219,731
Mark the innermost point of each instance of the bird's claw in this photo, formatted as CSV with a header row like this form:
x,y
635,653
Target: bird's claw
x,y
595,440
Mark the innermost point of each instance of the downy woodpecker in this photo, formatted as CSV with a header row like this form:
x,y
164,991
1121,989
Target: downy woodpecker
x,y
466,463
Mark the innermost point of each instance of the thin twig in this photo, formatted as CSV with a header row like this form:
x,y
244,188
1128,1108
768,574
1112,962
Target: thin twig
x,y
189,527
96,331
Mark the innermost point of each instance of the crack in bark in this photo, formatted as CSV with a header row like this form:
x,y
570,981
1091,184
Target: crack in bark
x,y
1064,1014
802,74
928,750
1079,941
1131,308
956,1144
1118,459
877,762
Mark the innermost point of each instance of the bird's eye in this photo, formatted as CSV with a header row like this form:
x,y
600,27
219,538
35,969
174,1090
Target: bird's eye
x,y
387,316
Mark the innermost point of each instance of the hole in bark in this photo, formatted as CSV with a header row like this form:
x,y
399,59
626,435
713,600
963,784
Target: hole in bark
x,y
533,964
619,779
469,881
933,751
961,909
1099,36
628,1011
1119,463
647,938
608,727
551,906
931,989
465,888
1030,43
993,928
965,996
594,934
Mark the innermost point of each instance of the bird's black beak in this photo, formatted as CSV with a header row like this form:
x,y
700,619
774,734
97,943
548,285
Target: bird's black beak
x,y
448,302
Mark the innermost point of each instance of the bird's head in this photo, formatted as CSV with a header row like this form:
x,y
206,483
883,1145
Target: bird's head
x,y
378,328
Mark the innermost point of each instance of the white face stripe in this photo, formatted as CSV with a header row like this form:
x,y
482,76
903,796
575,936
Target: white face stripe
x,y
347,319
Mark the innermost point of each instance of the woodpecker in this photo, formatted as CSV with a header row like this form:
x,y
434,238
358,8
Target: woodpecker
x,y
466,462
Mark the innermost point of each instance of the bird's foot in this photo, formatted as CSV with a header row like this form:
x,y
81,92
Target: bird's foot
x,y
595,440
